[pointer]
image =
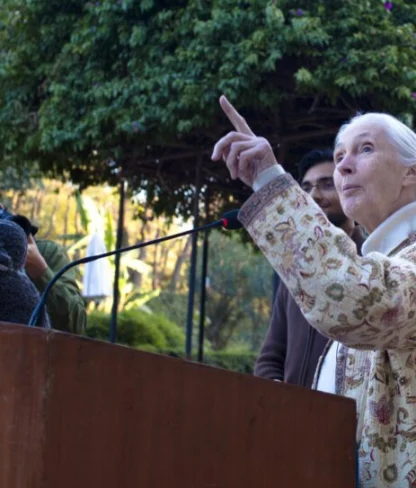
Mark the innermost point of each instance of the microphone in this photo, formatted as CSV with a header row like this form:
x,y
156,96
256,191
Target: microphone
x,y
228,221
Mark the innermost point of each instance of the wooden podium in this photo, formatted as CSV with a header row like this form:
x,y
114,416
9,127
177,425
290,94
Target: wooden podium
x,y
79,413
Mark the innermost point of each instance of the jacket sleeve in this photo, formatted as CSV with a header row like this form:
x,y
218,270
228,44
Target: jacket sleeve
x,y
65,304
270,362
363,302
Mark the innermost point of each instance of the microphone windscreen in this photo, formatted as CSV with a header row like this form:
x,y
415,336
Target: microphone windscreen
x,y
230,220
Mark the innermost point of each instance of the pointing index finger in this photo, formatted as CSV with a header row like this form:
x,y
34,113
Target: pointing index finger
x,y
234,117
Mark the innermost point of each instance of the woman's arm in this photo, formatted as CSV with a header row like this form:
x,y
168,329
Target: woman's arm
x,y
364,302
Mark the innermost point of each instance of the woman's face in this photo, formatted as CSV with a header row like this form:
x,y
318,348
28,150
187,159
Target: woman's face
x,y
369,178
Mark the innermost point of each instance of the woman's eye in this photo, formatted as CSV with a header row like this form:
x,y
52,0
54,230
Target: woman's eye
x,y
338,158
367,148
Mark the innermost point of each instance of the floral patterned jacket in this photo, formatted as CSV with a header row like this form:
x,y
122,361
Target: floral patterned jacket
x,y
368,304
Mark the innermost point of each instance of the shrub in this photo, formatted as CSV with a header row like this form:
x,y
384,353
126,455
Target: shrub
x,y
173,334
98,325
155,333
240,361
136,328
173,305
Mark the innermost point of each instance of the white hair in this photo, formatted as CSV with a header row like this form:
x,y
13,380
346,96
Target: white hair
x,y
402,138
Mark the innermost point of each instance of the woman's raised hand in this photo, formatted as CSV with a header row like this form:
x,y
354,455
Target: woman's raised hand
x,y
245,154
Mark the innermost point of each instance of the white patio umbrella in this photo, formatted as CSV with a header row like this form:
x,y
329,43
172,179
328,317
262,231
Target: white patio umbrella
x,y
97,281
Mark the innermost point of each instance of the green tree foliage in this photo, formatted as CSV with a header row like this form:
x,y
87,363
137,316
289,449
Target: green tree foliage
x,y
238,295
83,82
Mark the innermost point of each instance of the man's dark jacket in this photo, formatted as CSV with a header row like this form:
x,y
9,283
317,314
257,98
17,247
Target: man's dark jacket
x,y
292,348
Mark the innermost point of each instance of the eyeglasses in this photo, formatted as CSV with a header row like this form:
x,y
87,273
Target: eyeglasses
x,y
323,185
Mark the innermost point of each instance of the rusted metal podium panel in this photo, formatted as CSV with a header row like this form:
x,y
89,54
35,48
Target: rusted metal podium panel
x,y
79,413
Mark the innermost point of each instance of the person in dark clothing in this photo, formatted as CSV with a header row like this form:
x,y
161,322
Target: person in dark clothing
x,y
292,348
19,295
44,258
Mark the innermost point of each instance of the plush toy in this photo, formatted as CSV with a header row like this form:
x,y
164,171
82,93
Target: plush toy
x,y
19,295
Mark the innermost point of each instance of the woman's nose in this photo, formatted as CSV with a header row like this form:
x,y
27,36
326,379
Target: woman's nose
x,y
346,165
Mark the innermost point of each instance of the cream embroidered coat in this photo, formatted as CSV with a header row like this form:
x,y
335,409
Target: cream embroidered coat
x,y
366,303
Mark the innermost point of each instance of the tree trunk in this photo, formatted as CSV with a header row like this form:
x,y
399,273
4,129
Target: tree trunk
x,y
51,219
16,202
34,206
179,262
134,275
155,277
66,220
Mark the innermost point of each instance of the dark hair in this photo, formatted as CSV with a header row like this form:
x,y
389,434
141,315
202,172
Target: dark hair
x,y
312,158
20,220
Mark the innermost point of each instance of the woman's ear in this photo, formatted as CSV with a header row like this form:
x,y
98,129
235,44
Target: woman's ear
x,y
410,177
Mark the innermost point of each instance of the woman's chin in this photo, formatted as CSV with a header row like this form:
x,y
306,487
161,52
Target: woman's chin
x,y
353,209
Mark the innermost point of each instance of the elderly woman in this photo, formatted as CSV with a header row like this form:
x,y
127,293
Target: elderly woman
x,y
367,304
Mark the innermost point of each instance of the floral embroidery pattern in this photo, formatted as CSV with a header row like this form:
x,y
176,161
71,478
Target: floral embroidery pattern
x,y
382,410
390,473
366,303
335,292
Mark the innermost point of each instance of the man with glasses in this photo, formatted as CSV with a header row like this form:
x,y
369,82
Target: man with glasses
x,y
292,348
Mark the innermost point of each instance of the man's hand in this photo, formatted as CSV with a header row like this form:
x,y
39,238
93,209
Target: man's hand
x,y
35,264
245,154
